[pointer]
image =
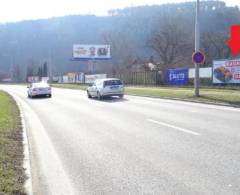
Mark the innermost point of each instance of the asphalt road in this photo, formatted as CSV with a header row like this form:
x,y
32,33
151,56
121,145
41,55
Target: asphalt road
x,y
132,146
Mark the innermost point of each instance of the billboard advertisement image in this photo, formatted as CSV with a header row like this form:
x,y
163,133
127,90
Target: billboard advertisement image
x,y
97,52
226,71
71,77
33,79
178,76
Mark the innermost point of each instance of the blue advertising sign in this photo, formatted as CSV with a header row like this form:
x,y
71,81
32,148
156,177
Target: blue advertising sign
x,y
178,76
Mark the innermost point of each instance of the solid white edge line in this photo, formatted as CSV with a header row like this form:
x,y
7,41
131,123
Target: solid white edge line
x,y
26,161
174,127
26,153
56,179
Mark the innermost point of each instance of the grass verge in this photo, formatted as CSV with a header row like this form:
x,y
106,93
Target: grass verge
x,y
213,95
12,176
231,96
71,86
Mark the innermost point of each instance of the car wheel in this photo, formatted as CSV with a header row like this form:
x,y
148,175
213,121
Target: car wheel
x,y
99,96
121,96
89,96
50,95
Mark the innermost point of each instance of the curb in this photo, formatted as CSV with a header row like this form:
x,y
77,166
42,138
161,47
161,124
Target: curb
x,y
26,160
189,100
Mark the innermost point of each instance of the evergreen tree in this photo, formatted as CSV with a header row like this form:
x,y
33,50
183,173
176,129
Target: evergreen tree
x,y
45,69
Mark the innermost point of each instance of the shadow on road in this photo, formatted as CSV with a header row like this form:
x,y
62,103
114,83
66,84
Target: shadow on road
x,y
40,97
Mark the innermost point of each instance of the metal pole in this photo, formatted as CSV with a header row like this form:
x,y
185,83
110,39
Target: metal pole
x,y
197,47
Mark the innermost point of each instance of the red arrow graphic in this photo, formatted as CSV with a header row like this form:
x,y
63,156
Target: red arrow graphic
x,y
234,42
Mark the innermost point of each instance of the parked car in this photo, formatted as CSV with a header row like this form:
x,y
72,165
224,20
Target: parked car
x,y
106,88
39,89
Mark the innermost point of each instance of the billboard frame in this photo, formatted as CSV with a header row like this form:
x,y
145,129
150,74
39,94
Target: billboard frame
x,y
219,83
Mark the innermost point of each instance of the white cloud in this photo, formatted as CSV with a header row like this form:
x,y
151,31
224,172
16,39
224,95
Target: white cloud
x,y
16,10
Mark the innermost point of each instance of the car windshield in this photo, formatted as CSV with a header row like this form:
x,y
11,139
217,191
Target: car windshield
x,y
112,82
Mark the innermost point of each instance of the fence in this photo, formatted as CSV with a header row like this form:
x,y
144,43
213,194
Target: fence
x,y
152,78
139,78
156,78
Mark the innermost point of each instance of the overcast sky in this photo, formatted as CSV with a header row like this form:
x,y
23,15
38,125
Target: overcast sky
x,y
17,10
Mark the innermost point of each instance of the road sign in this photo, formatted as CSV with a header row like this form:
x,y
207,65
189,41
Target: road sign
x,y
198,57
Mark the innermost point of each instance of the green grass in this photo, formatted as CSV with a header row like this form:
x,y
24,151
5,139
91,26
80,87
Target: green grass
x,y
71,86
231,96
216,95
12,176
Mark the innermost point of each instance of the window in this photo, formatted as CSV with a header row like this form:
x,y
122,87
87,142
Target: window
x,y
112,82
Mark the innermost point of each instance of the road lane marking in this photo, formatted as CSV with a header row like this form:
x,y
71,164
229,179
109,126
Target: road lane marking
x,y
174,127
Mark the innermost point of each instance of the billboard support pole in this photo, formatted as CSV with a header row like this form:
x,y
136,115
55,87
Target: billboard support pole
x,y
91,66
197,46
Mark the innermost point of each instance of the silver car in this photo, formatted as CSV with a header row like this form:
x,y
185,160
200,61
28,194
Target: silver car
x,y
105,88
39,89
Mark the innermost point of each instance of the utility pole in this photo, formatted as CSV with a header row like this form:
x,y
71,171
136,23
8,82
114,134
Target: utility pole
x,y
197,47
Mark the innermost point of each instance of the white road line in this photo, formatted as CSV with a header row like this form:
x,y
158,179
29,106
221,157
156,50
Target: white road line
x,y
26,162
50,165
174,127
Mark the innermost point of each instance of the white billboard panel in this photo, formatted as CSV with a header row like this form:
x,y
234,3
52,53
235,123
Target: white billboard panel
x,y
45,79
226,71
92,77
203,73
33,79
97,52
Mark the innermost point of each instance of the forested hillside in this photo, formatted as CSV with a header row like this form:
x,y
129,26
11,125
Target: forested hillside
x,y
163,33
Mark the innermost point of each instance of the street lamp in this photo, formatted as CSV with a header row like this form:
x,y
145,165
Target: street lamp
x,y
197,47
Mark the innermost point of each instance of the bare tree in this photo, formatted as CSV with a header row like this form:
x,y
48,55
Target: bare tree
x,y
121,50
171,42
215,45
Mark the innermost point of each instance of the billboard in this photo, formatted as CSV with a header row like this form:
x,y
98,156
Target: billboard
x,y
226,71
80,77
65,79
55,79
92,77
71,77
45,79
178,76
203,72
94,52
33,79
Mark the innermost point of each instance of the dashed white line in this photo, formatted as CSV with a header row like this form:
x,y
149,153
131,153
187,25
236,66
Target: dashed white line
x,y
174,127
